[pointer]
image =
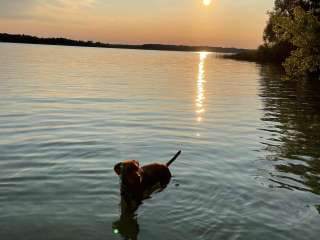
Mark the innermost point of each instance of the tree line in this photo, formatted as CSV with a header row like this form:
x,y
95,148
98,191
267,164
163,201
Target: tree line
x,y
21,38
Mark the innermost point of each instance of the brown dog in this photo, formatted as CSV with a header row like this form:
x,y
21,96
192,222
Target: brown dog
x,y
137,182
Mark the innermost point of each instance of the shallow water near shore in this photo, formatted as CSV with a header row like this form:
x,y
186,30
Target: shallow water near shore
x,y
250,162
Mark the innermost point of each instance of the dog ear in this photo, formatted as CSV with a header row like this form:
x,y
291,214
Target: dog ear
x,y
117,169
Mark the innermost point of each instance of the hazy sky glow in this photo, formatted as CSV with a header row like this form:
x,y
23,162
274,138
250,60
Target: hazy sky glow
x,y
226,23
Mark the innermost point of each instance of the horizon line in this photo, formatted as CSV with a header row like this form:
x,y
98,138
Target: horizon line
x,y
32,39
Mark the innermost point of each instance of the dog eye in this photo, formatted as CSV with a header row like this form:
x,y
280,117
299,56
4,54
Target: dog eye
x,y
130,169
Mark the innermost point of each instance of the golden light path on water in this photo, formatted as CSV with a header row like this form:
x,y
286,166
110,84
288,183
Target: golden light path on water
x,y
201,88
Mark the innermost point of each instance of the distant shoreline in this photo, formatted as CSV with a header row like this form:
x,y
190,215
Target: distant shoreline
x,y
21,38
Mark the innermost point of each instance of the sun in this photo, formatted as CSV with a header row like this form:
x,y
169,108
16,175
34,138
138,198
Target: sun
x,y
206,2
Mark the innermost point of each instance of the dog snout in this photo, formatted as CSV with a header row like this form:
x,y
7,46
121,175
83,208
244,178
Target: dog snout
x,y
139,176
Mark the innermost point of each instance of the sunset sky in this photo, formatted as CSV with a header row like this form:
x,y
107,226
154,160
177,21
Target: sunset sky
x,y
227,23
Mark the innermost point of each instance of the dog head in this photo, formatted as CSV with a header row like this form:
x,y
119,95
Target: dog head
x,y
129,171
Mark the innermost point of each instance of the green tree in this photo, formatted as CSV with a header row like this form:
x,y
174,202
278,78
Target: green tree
x,y
291,34
285,8
302,30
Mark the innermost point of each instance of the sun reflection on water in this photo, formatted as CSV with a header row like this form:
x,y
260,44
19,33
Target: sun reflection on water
x,y
200,87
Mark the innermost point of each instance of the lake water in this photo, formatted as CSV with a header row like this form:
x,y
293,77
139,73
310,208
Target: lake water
x,y
250,167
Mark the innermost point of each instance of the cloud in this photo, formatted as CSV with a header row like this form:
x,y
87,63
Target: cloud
x,y
42,9
70,4
16,8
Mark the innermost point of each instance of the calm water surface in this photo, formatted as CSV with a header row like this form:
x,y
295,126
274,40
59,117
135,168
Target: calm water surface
x,y
250,167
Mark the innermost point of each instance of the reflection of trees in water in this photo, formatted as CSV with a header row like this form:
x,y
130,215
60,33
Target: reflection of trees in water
x,y
292,116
